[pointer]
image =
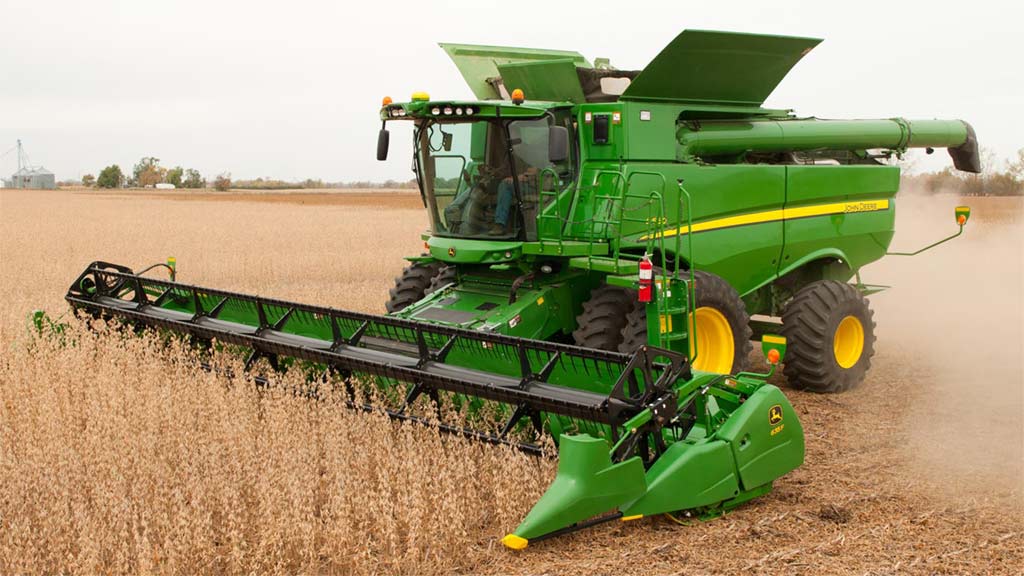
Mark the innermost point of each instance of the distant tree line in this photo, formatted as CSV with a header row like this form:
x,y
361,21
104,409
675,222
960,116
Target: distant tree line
x,y
148,172
996,178
310,183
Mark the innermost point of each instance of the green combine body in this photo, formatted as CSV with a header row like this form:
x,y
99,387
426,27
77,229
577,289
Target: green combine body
x,y
595,256
679,162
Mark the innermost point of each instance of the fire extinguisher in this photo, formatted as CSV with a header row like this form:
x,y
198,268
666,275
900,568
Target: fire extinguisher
x,y
646,292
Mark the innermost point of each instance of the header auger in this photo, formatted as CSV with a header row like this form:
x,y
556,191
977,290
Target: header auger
x,y
599,242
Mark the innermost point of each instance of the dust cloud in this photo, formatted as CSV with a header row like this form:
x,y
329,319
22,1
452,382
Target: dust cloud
x,y
953,321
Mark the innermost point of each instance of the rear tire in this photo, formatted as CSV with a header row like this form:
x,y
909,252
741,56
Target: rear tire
x,y
723,326
412,285
603,318
830,333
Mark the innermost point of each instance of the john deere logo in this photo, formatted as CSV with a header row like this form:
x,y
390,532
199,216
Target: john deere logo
x,y
775,414
451,251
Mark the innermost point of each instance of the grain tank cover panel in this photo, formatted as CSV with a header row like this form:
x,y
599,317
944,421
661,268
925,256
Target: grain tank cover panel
x,y
719,68
479,64
550,80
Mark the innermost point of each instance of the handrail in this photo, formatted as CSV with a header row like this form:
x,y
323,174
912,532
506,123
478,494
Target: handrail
x,y
620,177
691,290
556,193
615,216
661,200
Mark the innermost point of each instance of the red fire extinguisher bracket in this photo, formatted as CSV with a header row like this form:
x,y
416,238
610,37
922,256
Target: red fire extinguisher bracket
x,y
646,280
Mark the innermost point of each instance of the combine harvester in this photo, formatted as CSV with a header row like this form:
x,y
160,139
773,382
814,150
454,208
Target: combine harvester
x,y
595,256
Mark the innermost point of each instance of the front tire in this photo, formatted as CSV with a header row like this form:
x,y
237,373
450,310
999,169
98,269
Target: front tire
x,y
447,275
412,285
603,318
722,326
830,333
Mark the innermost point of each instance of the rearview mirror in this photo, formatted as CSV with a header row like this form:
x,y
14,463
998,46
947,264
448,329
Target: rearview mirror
x,y
558,144
383,141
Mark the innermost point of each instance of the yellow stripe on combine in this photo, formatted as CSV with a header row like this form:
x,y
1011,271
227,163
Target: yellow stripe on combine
x,y
776,215
772,339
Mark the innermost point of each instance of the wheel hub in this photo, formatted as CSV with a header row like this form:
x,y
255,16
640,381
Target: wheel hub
x,y
848,342
715,347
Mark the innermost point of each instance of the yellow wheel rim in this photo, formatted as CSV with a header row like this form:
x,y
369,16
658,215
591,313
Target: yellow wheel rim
x,y
848,342
715,347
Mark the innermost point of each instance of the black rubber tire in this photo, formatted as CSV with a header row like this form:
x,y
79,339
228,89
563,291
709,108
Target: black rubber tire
x,y
412,285
634,333
713,291
809,323
444,277
603,318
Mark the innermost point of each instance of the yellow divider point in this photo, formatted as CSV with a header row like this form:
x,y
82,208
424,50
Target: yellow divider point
x,y
514,542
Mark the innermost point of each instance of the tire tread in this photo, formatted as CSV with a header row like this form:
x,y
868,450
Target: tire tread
x,y
806,320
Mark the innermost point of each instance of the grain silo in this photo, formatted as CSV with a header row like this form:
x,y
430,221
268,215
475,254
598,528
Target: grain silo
x,y
39,178
30,177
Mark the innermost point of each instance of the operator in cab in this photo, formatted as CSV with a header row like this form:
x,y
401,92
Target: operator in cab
x,y
485,207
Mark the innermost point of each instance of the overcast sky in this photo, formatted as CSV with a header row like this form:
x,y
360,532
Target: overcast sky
x,y
292,89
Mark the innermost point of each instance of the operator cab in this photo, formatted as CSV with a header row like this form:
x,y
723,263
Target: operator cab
x,y
484,178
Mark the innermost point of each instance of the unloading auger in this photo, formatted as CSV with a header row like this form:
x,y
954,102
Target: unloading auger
x,y
638,434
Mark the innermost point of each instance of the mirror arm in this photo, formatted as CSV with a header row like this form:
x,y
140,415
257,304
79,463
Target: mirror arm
x,y
928,247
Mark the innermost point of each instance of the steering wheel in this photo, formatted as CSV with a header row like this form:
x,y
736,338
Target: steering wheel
x,y
485,174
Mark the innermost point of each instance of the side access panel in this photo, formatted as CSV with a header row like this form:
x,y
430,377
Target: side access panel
x,y
848,209
765,436
688,476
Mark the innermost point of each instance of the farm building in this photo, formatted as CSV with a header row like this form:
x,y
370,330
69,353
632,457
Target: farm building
x,y
28,176
39,178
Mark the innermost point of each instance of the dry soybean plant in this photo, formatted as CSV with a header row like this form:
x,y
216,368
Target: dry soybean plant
x,y
133,459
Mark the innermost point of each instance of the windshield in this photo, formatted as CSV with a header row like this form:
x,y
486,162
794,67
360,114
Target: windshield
x,y
470,187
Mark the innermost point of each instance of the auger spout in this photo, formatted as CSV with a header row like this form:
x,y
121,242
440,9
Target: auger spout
x,y
718,138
